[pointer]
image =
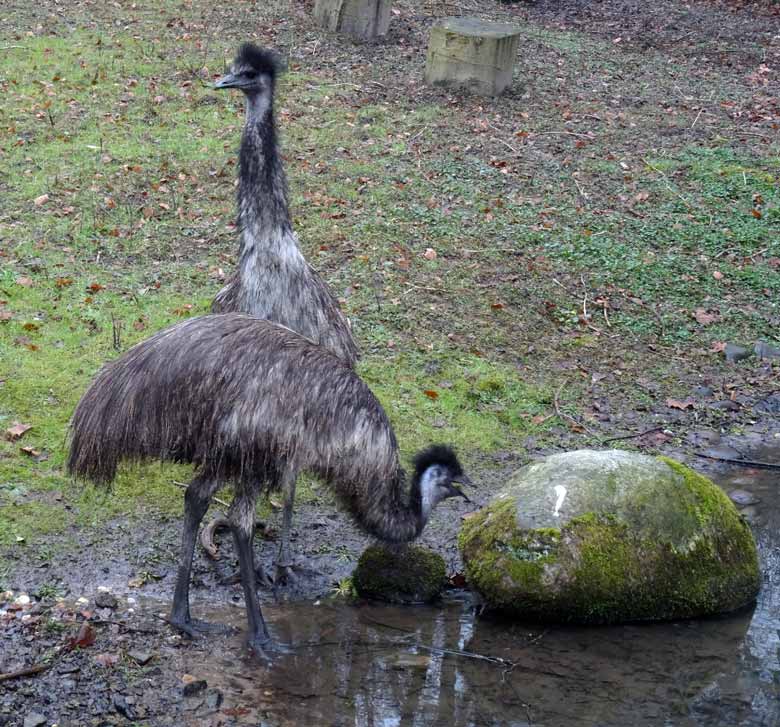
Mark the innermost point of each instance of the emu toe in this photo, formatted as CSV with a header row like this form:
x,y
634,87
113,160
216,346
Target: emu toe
x,y
261,578
194,628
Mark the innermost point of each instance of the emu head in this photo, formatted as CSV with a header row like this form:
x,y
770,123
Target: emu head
x,y
253,71
437,470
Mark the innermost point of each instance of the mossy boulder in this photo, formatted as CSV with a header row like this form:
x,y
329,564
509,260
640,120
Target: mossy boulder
x,y
408,574
611,536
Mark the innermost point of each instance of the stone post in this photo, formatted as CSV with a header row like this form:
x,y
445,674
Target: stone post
x,y
362,19
472,53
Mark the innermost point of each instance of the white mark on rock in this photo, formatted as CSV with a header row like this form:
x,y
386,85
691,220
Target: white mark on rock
x,y
560,490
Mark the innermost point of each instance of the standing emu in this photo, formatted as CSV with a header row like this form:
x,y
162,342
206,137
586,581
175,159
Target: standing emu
x,y
273,280
252,403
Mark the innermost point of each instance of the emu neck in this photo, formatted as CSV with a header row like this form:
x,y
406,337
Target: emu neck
x,y
426,489
263,215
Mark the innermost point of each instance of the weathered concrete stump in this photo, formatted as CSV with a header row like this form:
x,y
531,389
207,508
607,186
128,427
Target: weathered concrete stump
x,y
362,19
472,53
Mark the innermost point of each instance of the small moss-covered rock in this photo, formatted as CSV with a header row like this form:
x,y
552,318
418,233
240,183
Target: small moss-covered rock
x,y
409,574
604,537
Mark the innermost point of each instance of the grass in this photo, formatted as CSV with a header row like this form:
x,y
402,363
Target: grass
x,y
462,264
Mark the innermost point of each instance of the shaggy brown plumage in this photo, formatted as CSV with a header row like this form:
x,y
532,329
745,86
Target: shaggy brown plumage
x,y
253,403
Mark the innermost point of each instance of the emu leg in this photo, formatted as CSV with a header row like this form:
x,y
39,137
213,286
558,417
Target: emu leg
x,y
196,502
284,562
242,520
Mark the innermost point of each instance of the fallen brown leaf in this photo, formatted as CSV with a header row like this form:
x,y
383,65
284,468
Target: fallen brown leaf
x,y
689,403
16,430
107,659
84,638
42,200
704,317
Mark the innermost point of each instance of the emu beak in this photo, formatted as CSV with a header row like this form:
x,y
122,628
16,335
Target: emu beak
x,y
464,479
457,492
227,81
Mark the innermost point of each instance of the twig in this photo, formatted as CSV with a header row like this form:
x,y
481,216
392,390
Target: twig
x,y
741,462
28,671
564,415
567,133
668,184
697,117
606,317
507,145
632,436
123,625
184,486
421,131
9,47
467,655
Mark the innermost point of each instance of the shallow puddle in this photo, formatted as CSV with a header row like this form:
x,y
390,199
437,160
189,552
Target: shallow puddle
x,y
443,665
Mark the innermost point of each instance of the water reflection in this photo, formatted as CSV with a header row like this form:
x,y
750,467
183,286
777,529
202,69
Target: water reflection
x,y
384,666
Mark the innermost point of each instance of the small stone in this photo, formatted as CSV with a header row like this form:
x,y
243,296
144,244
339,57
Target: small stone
x,y
105,599
703,391
722,452
193,688
725,405
34,719
413,661
140,657
122,707
763,350
23,600
214,699
734,353
743,498
769,405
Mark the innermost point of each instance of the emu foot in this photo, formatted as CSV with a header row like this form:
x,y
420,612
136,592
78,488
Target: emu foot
x,y
194,628
288,574
261,578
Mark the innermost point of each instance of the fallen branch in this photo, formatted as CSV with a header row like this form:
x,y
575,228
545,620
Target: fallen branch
x,y
27,672
206,537
184,486
741,462
632,436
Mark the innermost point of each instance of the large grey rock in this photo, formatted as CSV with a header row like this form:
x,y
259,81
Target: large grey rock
x,y
604,537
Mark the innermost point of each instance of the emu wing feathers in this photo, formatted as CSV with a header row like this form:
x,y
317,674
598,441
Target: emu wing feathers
x,y
237,396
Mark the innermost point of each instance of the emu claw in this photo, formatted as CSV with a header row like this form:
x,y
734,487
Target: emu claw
x,y
285,574
261,578
194,628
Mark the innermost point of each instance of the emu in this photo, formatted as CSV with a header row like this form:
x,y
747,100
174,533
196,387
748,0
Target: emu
x,y
252,403
273,280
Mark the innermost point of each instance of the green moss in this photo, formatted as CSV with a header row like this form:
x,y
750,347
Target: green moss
x,y
410,574
602,568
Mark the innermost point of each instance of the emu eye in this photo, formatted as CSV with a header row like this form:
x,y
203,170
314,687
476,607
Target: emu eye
x,y
251,75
